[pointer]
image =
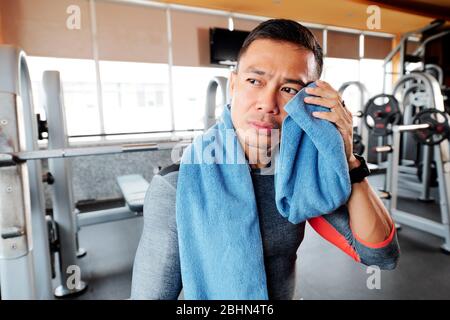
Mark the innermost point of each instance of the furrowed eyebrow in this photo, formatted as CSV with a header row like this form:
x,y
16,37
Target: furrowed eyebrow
x,y
294,81
263,73
256,71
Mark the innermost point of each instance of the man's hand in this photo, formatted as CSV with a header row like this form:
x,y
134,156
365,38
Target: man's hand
x,y
369,219
327,97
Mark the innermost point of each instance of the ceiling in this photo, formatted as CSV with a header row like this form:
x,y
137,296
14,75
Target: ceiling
x,y
431,8
397,17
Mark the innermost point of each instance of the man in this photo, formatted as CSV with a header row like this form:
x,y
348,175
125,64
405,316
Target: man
x,y
276,61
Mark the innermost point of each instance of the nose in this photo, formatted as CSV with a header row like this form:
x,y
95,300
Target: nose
x,y
267,102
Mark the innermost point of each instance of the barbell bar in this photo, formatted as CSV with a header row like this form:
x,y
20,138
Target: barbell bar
x,y
13,158
402,128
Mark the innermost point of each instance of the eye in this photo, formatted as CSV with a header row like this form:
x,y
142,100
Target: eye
x,y
254,81
289,90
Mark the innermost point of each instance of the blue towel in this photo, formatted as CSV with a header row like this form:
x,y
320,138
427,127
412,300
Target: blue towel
x,y
221,254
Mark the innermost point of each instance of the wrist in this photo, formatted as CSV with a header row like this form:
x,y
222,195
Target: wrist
x,y
358,169
353,162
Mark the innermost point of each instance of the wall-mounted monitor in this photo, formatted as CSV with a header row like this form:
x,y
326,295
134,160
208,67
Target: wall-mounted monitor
x,y
225,45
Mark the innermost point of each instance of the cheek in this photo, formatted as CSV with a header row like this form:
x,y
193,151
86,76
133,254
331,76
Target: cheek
x,y
280,118
242,102
283,114
244,97
237,115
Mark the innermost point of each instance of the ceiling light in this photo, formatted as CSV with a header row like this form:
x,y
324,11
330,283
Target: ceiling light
x,y
230,23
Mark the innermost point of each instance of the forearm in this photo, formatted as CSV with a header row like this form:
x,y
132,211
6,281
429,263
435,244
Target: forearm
x,y
369,219
362,228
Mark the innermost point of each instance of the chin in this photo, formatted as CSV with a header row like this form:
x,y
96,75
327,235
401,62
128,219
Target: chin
x,y
257,140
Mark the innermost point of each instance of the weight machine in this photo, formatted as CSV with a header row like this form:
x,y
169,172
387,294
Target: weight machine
x,y
411,95
24,249
432,130
360,132
217,83
29,239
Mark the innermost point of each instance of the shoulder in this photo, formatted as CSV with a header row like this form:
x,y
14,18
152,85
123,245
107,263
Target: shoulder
x,y
169,175
173,168
160,198
164,183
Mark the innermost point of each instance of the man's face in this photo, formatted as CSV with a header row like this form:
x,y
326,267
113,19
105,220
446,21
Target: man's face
x,y
270,73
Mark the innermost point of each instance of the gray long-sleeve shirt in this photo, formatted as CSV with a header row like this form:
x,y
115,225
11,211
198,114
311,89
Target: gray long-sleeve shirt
x,y
156,270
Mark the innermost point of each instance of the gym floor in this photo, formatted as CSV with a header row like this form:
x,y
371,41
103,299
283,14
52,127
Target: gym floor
x,y
323,271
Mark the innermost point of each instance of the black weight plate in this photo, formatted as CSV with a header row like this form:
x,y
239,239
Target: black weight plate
x,y
438,131
381,117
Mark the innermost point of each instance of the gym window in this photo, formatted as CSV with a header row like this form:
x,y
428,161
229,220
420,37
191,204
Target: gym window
x,y
79,88
336,71
189,92
135,97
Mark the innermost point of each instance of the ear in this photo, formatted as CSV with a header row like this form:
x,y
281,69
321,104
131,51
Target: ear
x,y
232,83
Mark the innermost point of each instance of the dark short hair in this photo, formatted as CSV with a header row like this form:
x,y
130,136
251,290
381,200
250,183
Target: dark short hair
x,y
289,31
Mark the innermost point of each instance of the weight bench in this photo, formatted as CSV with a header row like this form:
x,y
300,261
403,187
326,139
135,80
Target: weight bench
x,y
133,188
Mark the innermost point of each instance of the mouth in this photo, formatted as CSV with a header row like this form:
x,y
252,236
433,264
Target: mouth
x,y
264,127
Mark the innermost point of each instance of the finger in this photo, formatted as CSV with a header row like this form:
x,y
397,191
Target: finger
x,y
333,117
325,116
323,84
324,102
322,92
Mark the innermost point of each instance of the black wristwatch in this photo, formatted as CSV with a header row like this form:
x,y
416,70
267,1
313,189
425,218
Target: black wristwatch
x,y
359,173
